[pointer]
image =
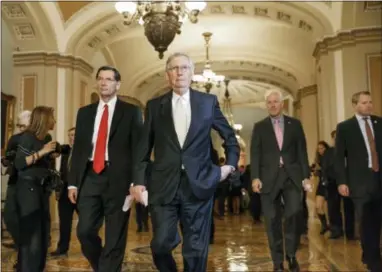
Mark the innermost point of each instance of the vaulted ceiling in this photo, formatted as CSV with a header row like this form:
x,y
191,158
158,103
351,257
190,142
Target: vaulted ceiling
x,y
258,45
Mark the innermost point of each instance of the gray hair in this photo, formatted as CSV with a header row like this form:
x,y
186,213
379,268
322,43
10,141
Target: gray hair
x,y
179,54
24,117
273,91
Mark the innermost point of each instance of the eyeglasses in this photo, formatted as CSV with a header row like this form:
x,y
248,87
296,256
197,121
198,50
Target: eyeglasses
x,y
182,68
20,126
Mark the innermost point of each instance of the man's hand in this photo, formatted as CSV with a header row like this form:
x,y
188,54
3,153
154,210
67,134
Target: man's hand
x,y
72,194
256,185
343,190
136,192
307,185
225,170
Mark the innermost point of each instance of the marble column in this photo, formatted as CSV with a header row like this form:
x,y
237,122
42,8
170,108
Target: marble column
x,y
306,110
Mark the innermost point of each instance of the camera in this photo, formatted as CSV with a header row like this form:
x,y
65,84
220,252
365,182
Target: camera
x,y
9,158
53,181
58,148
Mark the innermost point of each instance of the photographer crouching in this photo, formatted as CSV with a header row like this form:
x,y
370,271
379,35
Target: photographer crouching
x,y
35,182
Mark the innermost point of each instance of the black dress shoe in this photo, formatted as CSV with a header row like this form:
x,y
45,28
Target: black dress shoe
x,y
335,234
58,253
293,264
278,267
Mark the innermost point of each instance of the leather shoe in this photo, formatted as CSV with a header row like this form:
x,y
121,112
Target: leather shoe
x,y
293,264
278,267
58,253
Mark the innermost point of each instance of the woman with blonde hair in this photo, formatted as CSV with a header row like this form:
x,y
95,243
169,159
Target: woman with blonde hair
x,y
32,163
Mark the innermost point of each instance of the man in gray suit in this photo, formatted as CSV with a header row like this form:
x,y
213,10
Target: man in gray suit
x,y
280,171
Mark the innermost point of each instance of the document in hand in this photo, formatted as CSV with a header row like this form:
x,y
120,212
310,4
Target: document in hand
x,y
145,198
128,201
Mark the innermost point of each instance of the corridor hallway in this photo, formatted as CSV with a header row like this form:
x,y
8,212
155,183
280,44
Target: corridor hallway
x,y
239,245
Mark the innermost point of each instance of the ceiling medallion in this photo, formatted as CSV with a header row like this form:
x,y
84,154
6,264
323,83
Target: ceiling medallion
x,y
162,20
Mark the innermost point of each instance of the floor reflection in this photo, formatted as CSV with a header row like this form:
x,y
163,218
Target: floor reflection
x,y
239,245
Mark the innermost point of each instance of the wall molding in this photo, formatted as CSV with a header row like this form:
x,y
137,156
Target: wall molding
x,y
347,38
52,59
368,57
306,91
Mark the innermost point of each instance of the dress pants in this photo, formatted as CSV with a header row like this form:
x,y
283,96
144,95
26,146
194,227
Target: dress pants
x,y
255,206
334,208
222,193
335,214
368,210
141,216
34,225
287,192
195,220
94,205
65,213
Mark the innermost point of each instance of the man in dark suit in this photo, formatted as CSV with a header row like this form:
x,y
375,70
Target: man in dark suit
x,y
65,207
101,168
334,198
183,180
280,171
358,153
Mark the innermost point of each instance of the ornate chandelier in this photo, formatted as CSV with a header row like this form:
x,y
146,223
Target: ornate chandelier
x,y
162,20
208,78
227,112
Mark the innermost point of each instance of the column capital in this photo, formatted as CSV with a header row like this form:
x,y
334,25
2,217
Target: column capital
x,y
306,91
52,59
347,37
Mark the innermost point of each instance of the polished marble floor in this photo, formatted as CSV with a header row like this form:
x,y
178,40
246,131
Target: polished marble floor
x,y
239,245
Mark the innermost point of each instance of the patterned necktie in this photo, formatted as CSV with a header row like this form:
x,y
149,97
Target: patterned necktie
x,y
100,149
180,120
373,149
279,136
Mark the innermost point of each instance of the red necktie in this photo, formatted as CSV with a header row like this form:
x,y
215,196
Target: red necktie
x,y
100,150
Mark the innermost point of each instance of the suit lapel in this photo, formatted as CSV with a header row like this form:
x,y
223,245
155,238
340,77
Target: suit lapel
x,y
117,116
376,129
287,131
195,110
167,118
358,132
89,125
272,132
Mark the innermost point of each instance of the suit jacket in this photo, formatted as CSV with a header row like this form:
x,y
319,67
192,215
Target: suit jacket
x,y
159,133
123,137
265,153
327,165
351,157
65,153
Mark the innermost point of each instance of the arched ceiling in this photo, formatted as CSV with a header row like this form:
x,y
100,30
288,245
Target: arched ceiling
x,y
257,45
29,25
259,42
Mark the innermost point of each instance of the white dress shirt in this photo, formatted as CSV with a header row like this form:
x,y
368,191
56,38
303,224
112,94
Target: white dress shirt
x,y
183,117
97,121
361,123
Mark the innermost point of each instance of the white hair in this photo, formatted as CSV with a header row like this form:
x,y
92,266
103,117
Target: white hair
x,y
24,117
273,91
179,54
